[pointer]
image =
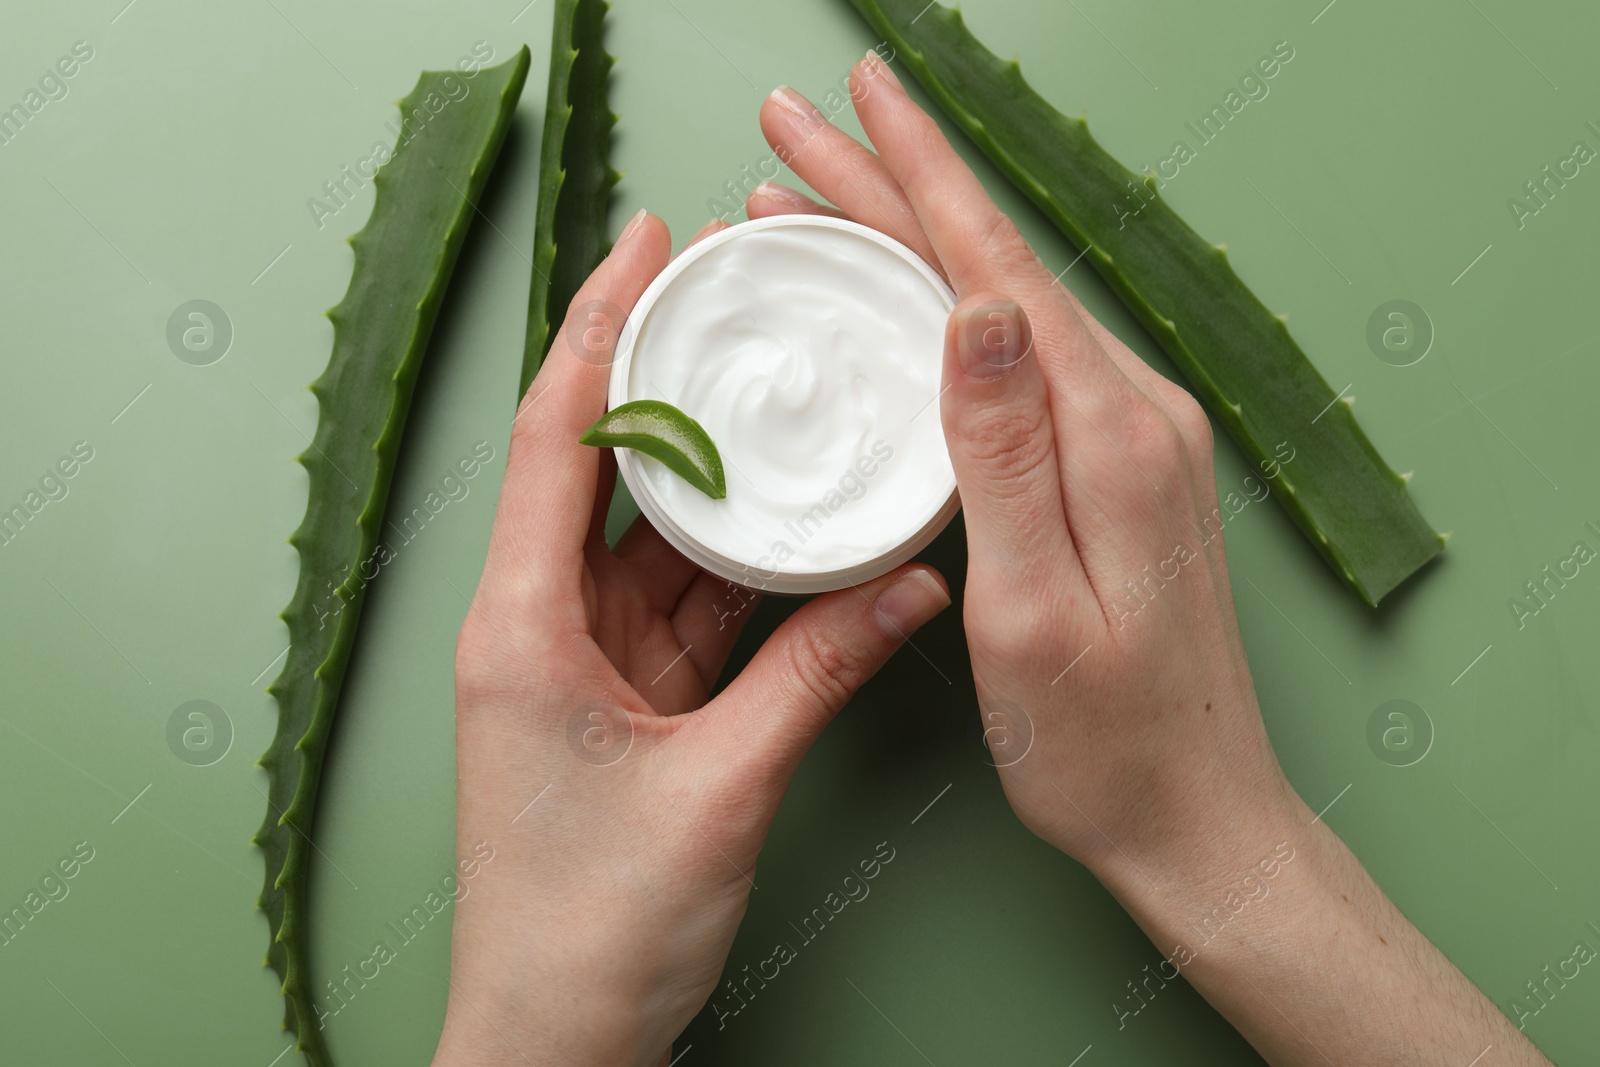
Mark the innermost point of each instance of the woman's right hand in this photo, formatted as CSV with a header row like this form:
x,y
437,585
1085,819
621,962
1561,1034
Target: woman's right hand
x,y
1105,648
1108,663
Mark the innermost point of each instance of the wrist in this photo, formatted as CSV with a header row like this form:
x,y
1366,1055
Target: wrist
x,y
1280,928
1258,896
1193,882
564,1029
569,1002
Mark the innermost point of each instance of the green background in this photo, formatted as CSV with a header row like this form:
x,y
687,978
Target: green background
x,y
179,166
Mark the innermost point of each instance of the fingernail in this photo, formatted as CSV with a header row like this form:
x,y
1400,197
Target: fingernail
x,y
784,195
909,603
797,105
992,338
632,227
879,69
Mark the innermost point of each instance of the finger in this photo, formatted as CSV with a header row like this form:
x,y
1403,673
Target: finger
x,y
983,243
1179,404
980,247
661,570
1112,434
1001,435
1174,400
768,716
708,620
1181,407
605,487
548,497
675,666
978,244
770,198
842,169
714,226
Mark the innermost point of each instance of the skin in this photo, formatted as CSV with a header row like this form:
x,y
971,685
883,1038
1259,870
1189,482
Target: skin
x,y
627,811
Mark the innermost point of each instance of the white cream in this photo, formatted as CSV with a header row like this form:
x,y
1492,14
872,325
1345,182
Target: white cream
x,y
810,350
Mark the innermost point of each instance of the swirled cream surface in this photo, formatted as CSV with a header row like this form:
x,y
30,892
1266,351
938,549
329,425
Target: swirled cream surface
x,y
810,350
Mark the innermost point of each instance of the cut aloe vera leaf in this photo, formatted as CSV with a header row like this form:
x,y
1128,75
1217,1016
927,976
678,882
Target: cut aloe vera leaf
x,y
1238,356
662,432
423,204
575,177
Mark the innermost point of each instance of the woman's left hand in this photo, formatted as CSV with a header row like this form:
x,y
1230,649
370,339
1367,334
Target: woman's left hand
x,y
622,811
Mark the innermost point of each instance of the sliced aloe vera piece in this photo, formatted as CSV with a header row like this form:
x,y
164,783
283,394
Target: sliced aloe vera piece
x,y
575,176
422,207
1237,355
662,432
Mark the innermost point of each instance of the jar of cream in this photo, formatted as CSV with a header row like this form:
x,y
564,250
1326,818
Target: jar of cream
x,y
810,350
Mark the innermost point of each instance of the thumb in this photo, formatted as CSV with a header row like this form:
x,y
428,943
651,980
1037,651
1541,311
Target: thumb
x,y
1001,436
797,682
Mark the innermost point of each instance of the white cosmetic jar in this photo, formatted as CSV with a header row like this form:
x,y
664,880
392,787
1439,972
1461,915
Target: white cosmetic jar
x,y
810,349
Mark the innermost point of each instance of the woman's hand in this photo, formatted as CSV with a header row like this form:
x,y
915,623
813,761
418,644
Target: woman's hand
x,y
623,810
1108,663
1105,648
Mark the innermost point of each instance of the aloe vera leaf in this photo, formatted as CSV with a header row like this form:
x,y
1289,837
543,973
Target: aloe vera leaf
x,y
423,203
1238,356
662,432
575,176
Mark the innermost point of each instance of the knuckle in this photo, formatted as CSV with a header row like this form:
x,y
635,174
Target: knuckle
x,y
495,652
824,668
476,664
525,430
1011,442
1003,249
1007,634
1192,422
1153,442
913,169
